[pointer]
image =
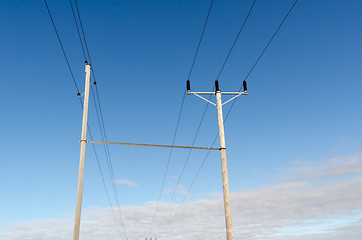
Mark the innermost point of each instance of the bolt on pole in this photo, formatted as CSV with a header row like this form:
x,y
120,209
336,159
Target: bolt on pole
x,y
82,154
225,179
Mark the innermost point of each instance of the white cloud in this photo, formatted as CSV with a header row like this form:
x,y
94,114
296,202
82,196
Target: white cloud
x,y
125,182
180,190
310,204
333,167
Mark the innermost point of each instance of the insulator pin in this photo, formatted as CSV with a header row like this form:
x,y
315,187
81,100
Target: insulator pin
x,y
245,87
188,86
217,86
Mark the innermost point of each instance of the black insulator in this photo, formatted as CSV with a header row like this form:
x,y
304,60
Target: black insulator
x,y
188,85
78,94
244,85
94,83
85,62
217,86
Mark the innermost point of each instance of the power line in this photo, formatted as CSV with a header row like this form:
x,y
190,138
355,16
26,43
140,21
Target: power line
x,y
202,118
178,119
168,163
102,176
84,38
76,24
51,18
207,154
102,130
192,183
236,39
101,122
202,34
109,162
262,53
232,47
271,39
61,45
184,167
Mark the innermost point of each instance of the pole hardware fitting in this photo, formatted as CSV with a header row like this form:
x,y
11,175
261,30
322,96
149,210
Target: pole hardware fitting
x,y
217,89
83,140
188,87
226,191
94,83
86,62
244,86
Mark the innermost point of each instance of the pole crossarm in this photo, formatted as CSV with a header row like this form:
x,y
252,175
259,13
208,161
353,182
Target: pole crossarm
x,y
237,94
153,145
224,168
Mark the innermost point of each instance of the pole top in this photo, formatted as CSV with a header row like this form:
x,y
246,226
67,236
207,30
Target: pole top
x,y
245,87
217,89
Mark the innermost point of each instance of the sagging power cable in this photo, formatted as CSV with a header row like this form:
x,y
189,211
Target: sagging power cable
x,y
179,116
76,86
225,118
100,120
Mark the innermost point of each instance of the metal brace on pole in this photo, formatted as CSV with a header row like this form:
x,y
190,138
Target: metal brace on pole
x,y
82,154
225,179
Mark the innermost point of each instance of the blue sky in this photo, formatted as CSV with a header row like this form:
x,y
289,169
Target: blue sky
x,y
302,115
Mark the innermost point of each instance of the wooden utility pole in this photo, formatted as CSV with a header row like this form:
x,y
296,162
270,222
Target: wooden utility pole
x,y
82,154
225,179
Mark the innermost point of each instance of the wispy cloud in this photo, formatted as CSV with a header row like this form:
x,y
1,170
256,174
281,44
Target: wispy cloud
x,y
306,205
180,190
342,166
125,182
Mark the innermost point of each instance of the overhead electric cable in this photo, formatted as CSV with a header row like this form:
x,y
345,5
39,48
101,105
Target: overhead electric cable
x,y
225,118
103,181
76,25
168,164
198,45
262,53
61,45
232,47
109,163
51,18
236,39
81,27
179,117
191,185
183,168
101,122
202,118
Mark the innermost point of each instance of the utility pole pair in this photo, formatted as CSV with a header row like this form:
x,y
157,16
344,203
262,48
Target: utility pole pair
x,y
219,104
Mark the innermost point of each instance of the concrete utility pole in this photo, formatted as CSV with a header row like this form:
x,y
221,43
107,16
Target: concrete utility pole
x,y
82,154
225,179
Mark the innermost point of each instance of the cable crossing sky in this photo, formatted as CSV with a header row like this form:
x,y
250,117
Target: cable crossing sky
x,y
97,104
